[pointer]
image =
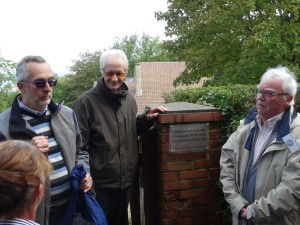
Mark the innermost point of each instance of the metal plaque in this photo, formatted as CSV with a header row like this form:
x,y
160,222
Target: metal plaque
x,y
188,137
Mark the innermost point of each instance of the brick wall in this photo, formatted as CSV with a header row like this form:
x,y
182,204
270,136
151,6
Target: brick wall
x,y
180,188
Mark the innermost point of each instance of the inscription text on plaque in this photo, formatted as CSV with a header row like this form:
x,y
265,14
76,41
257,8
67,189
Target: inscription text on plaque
x,y
188,137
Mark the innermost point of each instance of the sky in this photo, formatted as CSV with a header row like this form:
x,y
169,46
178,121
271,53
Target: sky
x,y
59,30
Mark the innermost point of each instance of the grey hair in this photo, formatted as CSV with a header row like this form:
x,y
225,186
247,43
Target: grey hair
x,y
288,80
115,53
21,73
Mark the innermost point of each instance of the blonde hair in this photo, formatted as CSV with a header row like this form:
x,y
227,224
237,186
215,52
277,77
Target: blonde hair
x,y
22,168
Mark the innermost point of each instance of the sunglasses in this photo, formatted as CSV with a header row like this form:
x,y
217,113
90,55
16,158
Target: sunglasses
x,y
119,74
42,83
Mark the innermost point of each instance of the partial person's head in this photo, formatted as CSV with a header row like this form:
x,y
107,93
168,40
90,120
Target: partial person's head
x,y
23,170
113,67
276,92
35,81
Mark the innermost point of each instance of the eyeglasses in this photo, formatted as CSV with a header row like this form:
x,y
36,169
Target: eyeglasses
x,y
42,83
269,94
119,74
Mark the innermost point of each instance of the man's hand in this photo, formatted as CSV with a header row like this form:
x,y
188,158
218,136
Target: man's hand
x,y
154,112
244,213
41,143
86,183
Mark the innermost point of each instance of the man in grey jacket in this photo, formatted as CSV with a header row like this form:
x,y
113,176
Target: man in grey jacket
x,y
52,128
260,163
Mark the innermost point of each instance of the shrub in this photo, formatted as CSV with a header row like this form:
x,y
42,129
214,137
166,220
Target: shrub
x,y
234,101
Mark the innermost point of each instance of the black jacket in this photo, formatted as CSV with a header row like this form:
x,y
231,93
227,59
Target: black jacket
x,y
110,128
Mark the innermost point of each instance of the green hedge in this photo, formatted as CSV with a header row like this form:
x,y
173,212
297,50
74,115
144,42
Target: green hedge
x,y
234,101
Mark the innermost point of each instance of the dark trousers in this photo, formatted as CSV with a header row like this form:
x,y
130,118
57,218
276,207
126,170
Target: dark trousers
x,y
114,203
56,213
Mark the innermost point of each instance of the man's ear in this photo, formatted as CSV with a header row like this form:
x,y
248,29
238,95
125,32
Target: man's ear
x,y
289,98
21,87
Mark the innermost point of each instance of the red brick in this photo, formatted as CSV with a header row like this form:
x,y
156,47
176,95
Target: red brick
x,y
190,117
214,144
166,157
194,193
193,212
214,154
214,125
162,128
192,155
177,166
193,174
178,205
185,221
215,135
214,173
168,177
164,148
188,194
163,138
209,219
206,200
211,163
166,118
179,185
170,195
170,215
169,222
200,183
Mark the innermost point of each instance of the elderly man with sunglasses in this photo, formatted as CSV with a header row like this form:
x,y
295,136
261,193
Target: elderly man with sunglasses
x,y
107,116
260,163
52,128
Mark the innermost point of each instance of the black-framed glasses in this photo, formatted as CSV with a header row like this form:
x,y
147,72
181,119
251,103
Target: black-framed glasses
x,y
269,94
42,83
119,74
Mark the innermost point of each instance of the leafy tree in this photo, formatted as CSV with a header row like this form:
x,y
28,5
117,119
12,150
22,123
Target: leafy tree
x,y
84,72
232,41
141,49
7,83
59,91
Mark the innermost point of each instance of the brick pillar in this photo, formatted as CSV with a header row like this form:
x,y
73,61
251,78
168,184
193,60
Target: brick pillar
x,y
180,187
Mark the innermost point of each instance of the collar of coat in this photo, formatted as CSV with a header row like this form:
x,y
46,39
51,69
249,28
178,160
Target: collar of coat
x,y
17,125
115,97
283,126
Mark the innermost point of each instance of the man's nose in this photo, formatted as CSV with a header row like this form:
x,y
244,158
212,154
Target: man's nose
x,y
114,77
47,86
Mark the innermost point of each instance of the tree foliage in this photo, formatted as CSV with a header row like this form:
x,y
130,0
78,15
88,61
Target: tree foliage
x,y
232,41
141,49
84,72
7,83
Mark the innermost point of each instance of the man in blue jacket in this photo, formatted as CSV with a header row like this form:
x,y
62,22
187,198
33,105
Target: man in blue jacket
x,y
52,128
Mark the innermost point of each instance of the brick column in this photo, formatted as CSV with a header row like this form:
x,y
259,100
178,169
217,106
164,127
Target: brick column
x,y
180,188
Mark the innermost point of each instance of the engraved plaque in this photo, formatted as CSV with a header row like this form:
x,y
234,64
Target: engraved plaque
x,y
188,137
